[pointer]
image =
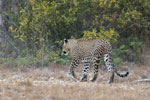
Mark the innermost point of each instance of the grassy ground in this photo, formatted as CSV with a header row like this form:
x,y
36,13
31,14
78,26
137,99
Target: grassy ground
x,y
53,83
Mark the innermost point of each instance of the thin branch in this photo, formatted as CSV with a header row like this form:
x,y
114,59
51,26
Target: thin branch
x,y
142,80
127,28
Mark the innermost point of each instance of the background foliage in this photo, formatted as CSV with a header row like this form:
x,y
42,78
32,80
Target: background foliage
x,y
37,27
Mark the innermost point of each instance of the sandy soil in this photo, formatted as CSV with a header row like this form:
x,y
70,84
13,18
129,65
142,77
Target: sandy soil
x,y
54,83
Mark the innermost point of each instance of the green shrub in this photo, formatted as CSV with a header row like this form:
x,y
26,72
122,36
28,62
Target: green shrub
x,y
109,35
35,26
129,51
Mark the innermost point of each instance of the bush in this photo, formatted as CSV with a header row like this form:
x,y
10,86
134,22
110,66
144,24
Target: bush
x,y
50,21
36,26
129,51
109,35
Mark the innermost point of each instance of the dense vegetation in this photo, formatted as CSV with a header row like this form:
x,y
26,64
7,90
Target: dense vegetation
x,y
36,28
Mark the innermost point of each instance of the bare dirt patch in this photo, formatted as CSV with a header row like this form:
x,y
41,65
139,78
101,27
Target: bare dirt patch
x,y
54,83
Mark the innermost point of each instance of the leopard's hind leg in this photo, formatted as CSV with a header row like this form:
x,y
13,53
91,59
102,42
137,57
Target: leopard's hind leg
x,y
110,66
85,71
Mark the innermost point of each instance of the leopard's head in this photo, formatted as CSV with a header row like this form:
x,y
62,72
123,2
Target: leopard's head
x,y
68,45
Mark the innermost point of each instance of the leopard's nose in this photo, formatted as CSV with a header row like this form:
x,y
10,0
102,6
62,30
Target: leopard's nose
x,y
64,52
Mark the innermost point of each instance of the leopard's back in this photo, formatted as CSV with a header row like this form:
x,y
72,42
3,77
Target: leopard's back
x,y
89,48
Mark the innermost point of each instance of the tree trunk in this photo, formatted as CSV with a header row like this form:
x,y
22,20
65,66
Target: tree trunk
x,y
4,24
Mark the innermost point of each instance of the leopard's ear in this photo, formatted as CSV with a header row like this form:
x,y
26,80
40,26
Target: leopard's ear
x,y
65,40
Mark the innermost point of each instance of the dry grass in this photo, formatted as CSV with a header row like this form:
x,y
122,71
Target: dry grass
x,y
54,83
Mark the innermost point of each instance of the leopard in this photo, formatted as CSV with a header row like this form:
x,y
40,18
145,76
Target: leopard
x,y
90,52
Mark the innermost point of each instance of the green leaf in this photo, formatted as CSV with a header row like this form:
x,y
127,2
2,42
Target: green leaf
x,y
122,46
116,60
140,43
132,43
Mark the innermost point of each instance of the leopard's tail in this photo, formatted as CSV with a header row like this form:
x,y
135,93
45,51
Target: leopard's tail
x,y
122,75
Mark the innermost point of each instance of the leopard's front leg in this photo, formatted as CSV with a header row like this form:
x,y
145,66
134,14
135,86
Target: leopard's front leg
x,y
73,65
